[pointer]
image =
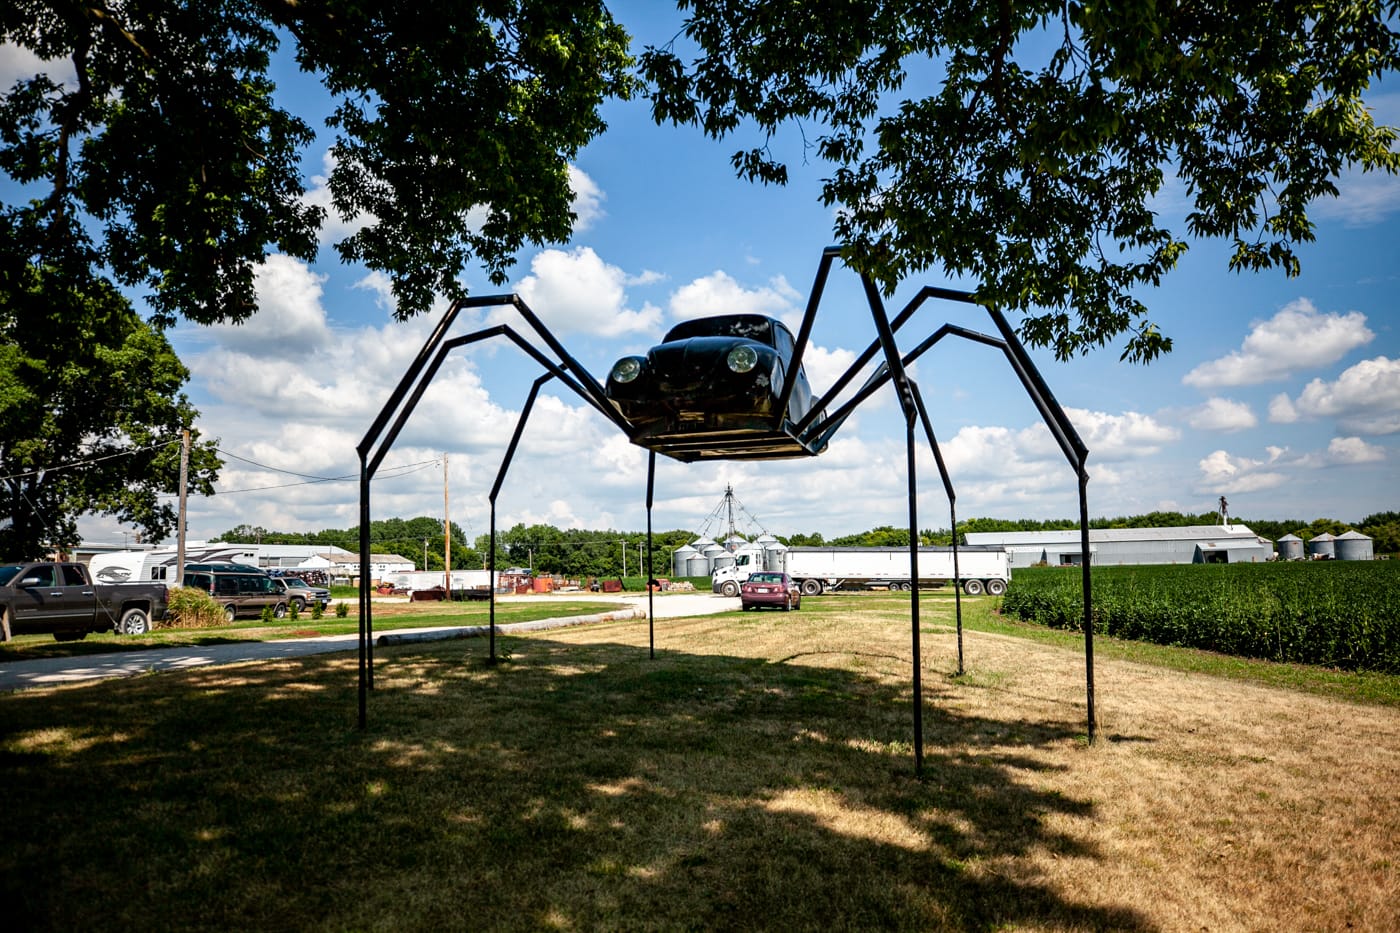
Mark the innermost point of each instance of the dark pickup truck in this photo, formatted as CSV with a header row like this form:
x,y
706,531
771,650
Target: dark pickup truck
x,y
61,598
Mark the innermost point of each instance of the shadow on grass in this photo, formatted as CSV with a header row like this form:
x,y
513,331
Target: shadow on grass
x,y
572,786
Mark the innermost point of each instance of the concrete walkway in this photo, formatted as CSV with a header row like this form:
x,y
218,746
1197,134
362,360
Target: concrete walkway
x,y
47,672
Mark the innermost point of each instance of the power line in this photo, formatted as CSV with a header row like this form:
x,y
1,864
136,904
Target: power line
x,y
388,473
91,460
264,466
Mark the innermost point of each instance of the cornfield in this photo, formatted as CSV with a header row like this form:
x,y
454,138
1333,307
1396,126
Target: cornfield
x,y
1341,614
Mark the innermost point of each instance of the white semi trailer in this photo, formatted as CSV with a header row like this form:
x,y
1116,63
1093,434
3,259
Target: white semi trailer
x,y
981,569
412,580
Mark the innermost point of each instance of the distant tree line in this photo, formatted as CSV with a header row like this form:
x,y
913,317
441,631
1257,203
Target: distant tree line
x,y
578,552
573,552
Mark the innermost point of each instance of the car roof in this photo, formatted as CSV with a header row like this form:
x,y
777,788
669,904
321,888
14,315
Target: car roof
x,y
751,326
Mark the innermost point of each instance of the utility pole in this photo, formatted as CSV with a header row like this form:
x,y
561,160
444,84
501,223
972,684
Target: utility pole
x,y
184,492
446,534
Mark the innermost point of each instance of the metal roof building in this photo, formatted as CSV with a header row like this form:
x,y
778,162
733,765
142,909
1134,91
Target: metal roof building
x,y
1190,544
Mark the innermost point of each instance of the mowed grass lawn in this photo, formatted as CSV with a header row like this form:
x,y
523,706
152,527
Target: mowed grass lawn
x,y
757,774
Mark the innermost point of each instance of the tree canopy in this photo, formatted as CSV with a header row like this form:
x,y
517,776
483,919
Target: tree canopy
x,y
149,151
91,415
1023,143
151,147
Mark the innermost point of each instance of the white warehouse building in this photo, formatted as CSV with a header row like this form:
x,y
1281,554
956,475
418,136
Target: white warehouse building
x,y
1189,544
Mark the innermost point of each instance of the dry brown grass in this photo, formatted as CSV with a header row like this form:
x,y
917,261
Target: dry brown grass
x,y
1206,804
756,774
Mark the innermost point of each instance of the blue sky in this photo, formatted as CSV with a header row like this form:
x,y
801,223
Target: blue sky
x,y
1282,394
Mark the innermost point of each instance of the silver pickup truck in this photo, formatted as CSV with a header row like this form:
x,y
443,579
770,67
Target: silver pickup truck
x,y
61,598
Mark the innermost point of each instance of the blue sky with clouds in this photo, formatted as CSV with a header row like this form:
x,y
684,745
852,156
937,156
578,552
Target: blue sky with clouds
x,y
1282,394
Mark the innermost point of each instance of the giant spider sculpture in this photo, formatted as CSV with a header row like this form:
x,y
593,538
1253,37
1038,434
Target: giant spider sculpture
x,y
730,388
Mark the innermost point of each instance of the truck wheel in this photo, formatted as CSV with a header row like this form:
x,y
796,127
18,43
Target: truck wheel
x,y
300,604
973,587
729,588
996,587
230,612
811,587
134,621
279,611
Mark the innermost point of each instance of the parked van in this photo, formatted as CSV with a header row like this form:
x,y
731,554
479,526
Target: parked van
x,y
240,593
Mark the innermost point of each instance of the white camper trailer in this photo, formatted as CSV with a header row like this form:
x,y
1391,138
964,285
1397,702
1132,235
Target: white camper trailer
x,y
159,564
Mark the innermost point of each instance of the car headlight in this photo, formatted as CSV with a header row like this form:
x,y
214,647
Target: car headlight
x,y
742,359
626,369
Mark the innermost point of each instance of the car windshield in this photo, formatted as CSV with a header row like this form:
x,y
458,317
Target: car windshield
x,y
747,326
8,573
294,582
766,578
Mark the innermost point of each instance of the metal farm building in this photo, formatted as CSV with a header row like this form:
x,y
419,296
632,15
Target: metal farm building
x,y
1191,544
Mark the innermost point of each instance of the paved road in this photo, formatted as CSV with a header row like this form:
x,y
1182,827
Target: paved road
x,y
47,672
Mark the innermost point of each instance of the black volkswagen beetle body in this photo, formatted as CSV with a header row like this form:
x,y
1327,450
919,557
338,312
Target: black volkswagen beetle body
x,y
712,389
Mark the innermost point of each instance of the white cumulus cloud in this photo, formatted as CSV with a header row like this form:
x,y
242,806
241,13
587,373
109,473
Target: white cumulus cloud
x,y
577,292
1281,410
290,323
588,199
1222,414
1353,450
1365,399
719,293
1222,473
1119,437
1296,338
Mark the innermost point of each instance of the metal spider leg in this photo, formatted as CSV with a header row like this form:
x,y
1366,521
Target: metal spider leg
x,y
1053,416
909,405
952,515
495,491
404,399
651,577
1071,445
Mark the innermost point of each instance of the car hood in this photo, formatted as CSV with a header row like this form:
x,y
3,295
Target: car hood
x,y
682,364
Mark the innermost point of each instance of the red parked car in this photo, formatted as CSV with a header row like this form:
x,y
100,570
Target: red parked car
x,y
770,589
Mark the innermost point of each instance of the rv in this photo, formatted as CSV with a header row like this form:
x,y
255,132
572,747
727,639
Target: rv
x,y
158,565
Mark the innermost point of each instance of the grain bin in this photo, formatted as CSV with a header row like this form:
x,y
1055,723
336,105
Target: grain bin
x,y
771,552
713,553
680,561
1322,547
1354,546
700,564
1290,547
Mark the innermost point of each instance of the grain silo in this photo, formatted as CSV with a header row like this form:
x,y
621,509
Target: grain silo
x,y
1323,547
705,549
716,555
1354,546
1290,547
680,560
773,551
